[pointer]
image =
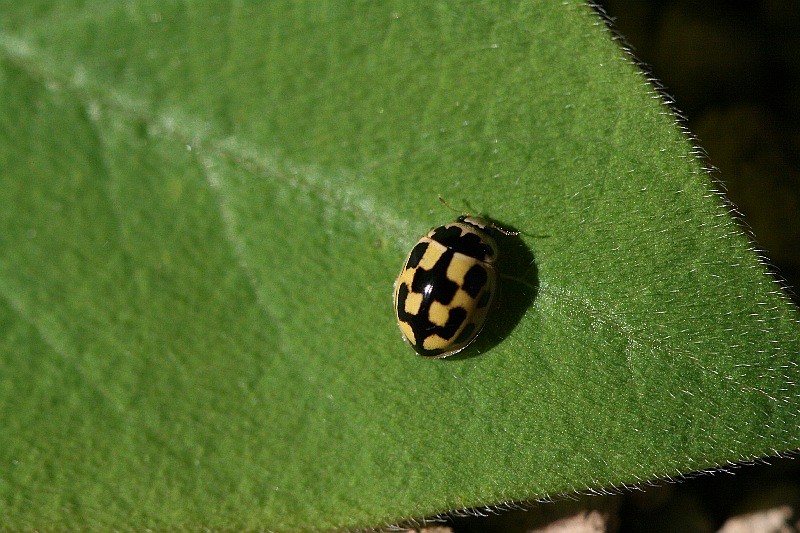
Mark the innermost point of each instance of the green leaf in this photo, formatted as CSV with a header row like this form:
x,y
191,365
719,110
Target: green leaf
x,y
203,209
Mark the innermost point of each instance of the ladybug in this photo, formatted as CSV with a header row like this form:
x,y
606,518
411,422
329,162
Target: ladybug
x,y
447,286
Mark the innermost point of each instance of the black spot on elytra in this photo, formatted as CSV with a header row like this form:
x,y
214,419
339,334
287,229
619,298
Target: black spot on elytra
x,y
475,279
434,286
469,243
416,254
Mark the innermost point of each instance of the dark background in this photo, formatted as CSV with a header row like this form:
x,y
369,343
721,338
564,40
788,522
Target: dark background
x,y
733,70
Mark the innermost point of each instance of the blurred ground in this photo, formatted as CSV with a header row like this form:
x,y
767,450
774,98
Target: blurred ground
x,y
733,69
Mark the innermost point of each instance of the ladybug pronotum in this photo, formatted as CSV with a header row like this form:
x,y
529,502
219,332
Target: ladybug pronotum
x,y
447,287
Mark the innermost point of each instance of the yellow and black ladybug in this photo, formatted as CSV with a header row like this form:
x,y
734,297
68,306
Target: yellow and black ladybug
x,y
447,286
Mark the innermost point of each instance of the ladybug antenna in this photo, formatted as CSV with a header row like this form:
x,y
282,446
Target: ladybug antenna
x,y
505,232
465,213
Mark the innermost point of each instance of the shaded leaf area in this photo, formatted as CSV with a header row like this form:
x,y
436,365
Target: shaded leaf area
x,y
203,211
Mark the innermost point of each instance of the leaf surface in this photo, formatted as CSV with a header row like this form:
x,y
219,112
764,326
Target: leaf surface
x,y
204,207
